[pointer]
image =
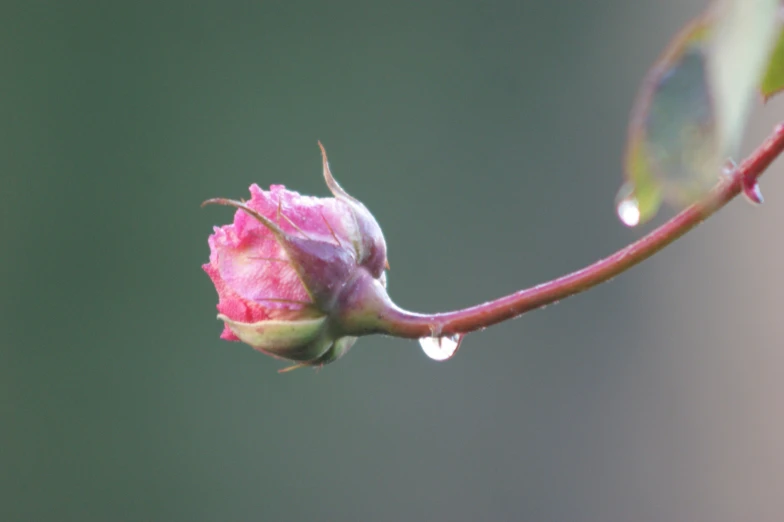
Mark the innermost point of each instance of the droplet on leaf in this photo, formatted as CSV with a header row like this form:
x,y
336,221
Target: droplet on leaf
x,y
441,348
634,207
629,211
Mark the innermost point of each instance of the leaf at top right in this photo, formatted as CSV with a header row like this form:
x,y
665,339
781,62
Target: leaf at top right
x,y
773,81
692,108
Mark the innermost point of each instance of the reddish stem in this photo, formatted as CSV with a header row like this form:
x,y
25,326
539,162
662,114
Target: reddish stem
x,y
401,323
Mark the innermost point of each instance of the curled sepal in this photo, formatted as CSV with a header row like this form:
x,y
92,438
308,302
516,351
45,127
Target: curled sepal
x,y
338,349
296,340
369,242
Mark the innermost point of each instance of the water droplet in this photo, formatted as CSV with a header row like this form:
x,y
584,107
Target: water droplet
x,y
629,211
441,348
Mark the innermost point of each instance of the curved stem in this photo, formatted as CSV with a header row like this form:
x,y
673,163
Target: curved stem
x,y
401,323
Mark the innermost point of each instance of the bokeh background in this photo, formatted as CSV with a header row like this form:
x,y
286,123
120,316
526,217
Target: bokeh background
x,y
487,139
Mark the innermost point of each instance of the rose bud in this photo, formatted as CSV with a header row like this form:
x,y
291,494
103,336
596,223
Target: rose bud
x,y
287,265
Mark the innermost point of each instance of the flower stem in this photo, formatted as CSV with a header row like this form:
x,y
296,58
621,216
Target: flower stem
x,y
400,323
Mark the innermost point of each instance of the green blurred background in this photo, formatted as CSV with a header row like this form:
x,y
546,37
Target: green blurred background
x,y
486,137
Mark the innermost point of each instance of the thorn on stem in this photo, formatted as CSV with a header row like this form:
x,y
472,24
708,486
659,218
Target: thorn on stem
x,y
752,191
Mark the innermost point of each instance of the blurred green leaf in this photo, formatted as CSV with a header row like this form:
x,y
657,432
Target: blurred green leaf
x,y
672,127
745,35
773,81
692,107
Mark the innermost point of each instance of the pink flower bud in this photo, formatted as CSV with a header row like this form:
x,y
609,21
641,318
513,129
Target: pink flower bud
x,y
280,269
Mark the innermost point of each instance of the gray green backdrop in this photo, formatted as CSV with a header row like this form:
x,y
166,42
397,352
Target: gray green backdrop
x,y
487,138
